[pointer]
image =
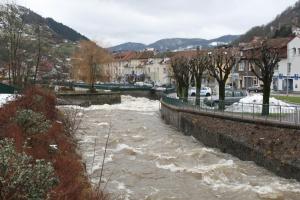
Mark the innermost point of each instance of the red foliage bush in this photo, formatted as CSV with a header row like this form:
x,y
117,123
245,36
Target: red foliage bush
x,y
73,184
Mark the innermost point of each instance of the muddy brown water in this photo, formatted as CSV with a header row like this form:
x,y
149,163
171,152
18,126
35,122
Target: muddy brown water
x,y
147,159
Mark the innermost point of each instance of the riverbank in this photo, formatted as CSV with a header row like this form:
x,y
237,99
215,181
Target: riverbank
x,y
47,139
277,149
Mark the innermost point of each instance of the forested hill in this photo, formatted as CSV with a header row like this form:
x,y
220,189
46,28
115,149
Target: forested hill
x,y
64,31
61,30
281,26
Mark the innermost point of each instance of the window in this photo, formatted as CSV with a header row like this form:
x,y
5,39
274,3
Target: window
x,y
294,51
254,81
298,51
242,66
276,67
249,68
289,68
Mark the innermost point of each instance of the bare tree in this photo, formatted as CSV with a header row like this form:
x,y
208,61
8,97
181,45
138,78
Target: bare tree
x,y
221,62
263,61
197,66
39,51
88,61
181,71
12,25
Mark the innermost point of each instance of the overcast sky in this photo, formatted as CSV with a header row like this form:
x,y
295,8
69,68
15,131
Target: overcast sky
x,y
111,22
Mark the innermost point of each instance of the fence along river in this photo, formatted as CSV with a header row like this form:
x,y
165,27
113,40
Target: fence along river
x,y
147,159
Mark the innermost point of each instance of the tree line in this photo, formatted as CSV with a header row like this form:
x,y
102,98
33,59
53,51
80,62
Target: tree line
x,y
219,63
22,56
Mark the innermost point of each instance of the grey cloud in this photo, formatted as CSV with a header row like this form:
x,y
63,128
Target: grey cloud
x,y
115,21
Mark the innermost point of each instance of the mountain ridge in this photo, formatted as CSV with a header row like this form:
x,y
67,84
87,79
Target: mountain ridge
x,y
173,44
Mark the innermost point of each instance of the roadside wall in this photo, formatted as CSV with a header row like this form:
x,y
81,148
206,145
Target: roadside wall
x,y
233,137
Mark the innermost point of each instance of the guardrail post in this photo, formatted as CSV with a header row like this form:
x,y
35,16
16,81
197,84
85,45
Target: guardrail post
x,y
280,113
296,116
253,112
242,110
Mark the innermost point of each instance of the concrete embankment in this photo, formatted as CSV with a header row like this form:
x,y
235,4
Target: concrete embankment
x,y
86,99
273,146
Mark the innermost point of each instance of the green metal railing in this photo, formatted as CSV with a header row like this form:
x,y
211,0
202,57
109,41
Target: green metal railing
x,y
7,89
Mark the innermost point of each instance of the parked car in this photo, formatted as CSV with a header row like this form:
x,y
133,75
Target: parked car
x,y
205,91
143,84
255,88
231,96
80,82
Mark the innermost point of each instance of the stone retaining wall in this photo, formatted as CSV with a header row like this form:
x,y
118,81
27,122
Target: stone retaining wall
x,y
227,135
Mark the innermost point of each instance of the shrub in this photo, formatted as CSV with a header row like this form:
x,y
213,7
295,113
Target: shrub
x,y
22,177
32,122
71,120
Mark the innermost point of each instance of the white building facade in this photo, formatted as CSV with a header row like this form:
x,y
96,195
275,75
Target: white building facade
x,y
153,69
287,75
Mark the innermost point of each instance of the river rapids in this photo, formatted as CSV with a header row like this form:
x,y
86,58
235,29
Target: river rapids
x,y
148,159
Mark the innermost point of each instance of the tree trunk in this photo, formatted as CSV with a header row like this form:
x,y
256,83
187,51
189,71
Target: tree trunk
x,y
221,96
266,99
179,90
185,93
37,60
198,89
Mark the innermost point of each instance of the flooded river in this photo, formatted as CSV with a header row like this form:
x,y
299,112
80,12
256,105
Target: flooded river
x,y
147,159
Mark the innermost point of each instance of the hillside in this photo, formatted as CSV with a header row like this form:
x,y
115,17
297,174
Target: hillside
x,y
61,30
176,44
64,31
57,44
281,26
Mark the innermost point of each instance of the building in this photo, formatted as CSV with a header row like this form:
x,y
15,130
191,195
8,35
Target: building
x,y
286,76
139,66
246,78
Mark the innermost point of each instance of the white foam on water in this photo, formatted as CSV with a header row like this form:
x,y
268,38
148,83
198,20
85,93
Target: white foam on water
x,y
274,190
197,169
162,156
79,114
121,186
103,124
127,103
121,147
98,162
137,136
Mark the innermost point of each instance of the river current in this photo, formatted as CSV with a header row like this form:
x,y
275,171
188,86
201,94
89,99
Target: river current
x,y
148,159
